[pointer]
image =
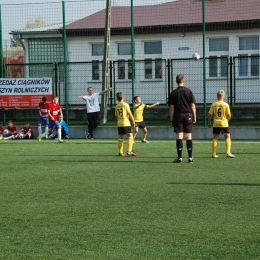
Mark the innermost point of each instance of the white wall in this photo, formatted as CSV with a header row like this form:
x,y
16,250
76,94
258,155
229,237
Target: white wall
x,y
79,48
174,46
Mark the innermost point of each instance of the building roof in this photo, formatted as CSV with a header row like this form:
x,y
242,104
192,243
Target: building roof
x,y
177,15
46,29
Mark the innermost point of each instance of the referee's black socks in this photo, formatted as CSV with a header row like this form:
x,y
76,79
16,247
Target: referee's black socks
x,y
179,147
189,147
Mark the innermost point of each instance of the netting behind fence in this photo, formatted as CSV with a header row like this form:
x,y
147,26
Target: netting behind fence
x,y
166,34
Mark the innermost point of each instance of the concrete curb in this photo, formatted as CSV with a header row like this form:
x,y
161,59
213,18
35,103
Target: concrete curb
x,y
161,133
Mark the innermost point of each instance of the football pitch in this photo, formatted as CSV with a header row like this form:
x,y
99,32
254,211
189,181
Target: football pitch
x,y
80,200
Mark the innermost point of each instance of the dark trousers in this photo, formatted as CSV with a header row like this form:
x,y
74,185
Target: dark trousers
x,y
92,122
63,133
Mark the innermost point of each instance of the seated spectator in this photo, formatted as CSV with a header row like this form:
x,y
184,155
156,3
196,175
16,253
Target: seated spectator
x,y
26,132
60,125
10,132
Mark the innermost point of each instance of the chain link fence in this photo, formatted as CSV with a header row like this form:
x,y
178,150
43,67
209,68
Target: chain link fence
x,y
65,41
154,79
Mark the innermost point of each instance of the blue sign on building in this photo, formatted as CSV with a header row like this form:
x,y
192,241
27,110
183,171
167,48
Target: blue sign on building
x,y
183,48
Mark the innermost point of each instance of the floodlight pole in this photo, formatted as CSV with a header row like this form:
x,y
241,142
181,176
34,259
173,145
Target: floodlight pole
x,y
105,64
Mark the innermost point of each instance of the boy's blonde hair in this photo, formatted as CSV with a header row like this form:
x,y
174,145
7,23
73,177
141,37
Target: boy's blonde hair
x,y
221,93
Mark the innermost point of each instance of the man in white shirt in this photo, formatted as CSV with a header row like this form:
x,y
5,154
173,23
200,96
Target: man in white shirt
x,y
92,106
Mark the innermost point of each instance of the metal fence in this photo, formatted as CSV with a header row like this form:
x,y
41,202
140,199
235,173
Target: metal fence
x,y
154,79
65,41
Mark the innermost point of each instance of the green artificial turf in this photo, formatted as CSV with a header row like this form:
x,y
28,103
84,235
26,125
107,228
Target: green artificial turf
x,y
80,200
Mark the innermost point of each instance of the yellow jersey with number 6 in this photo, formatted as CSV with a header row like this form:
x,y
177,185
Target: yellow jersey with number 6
x,y
219,110
122,112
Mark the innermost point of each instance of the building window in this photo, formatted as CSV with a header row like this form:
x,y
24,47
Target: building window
x,y
124,69
213,66
124,49
130,69
158,68
243,65
219,44
224,66
249,43
44,51
97,49
148,69
153,47
218,66
248,65
255,65
121,69
153,69
95,70
248,61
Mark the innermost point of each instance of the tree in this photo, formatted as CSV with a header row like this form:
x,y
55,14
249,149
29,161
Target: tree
x,y
15,43
38,22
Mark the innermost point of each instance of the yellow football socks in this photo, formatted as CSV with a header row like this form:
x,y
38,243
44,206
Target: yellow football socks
x,y
121,145
228,145
214,146
130,143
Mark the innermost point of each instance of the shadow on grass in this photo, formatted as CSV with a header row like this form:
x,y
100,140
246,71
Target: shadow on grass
x,y
126,159
86,142
215,184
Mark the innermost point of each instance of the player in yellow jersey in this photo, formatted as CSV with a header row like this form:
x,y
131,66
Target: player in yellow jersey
x,y
220,113
139,118
123,114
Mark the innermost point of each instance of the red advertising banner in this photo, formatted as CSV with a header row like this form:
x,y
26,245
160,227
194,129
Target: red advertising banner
x,y
24,92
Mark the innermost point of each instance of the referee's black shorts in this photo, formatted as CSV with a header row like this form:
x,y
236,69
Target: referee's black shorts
x,y
183,123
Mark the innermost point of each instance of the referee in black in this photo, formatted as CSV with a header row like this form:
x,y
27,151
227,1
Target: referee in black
x,y
182,116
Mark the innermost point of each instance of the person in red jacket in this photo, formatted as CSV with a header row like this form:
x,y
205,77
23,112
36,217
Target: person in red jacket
x,y
26,132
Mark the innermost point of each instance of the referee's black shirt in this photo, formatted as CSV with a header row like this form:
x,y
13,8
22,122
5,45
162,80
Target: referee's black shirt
x,y
181,98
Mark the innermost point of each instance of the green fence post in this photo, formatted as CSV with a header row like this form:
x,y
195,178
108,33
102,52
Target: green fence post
x,y
230,80
1,45
169,79
2,57
133,52
204,62
65,56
